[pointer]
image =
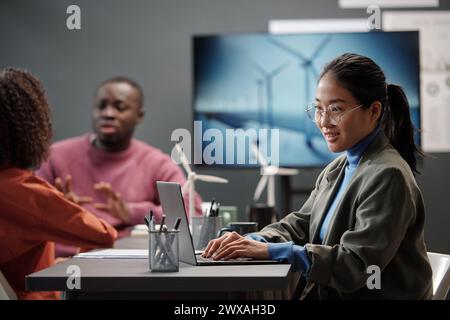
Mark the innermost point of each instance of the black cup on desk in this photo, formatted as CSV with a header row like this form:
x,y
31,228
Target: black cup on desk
x,y
260,213
240,227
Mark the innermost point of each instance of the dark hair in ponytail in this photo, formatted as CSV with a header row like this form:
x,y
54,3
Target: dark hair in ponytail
x,y
398,126
367,83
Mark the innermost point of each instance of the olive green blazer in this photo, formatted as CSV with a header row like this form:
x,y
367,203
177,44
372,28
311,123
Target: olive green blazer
x,y
379,221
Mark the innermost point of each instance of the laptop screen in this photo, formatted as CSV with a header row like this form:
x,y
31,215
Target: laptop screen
x,y
173,207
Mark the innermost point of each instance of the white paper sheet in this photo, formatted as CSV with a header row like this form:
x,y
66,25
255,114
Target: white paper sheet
x,y
115,254
434,30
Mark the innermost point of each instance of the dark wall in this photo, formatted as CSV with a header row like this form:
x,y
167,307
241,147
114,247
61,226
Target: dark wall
x,y
150,42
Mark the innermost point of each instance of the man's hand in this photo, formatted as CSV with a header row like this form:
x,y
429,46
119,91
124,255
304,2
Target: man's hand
x,y
232,245
66,188
61,259
114,203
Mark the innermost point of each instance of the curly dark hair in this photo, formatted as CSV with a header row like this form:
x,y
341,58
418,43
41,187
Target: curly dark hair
x,y
25,125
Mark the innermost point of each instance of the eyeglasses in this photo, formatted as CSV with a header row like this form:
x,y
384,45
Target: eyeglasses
x,y
334,113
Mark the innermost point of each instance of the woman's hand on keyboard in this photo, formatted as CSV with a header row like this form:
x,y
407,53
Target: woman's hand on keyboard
x,y
232,245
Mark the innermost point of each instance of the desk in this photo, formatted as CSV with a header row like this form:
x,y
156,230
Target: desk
x,y
130,279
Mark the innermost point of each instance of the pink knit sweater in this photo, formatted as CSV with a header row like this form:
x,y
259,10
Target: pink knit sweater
x,y
133,173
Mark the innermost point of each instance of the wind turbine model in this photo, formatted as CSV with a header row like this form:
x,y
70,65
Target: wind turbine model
x,y
189,186
268,173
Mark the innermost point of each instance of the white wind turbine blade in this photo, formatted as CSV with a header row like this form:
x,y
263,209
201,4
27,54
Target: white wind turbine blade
x,y
258,155
269,171
191,198
186,186
271,191
208,178
183,159
272,170
260,187
287,172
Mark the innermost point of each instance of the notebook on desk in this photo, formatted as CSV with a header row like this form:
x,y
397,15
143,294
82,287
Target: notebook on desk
x,y
173,206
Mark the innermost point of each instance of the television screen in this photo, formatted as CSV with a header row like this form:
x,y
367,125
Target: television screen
x,y
265,81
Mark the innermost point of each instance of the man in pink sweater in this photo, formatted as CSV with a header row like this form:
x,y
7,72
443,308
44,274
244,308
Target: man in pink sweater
x,y
108,172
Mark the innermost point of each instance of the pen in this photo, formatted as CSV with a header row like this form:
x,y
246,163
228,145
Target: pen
x,y
165,254
152,220
158,240
163,219
147,221
212,204
177,224
172,239
216,213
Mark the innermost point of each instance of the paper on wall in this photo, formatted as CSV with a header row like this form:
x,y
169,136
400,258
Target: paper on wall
x,y
434,35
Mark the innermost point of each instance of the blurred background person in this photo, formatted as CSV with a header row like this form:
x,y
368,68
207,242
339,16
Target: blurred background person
x,y
107,171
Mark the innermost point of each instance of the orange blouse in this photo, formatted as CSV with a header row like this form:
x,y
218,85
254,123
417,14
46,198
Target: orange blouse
x,y
33,214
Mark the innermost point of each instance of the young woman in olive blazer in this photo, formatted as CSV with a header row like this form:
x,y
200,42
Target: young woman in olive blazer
x,y
360,235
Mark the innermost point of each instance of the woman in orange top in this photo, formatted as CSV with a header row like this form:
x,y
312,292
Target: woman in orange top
x,y
32,212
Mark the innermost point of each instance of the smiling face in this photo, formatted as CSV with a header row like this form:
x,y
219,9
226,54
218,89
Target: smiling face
x,y
116,112
354,125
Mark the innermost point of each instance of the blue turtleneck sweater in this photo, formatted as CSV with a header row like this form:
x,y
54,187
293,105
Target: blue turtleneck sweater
x,y
297,255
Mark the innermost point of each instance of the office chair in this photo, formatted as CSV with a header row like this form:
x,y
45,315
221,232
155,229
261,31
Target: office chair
x,y
6,292
440,264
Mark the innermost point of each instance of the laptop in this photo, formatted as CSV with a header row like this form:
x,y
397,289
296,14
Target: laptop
x,y
173,207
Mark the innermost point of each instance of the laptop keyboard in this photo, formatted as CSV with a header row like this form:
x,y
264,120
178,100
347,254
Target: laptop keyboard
x,y
200,258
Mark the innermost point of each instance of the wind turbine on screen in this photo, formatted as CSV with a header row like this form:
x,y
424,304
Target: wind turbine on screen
x,y
268,77
260,100
268,174
306,63
189,186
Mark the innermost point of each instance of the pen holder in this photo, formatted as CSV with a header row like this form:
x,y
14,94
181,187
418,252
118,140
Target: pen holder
x,y
163,251
205,229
